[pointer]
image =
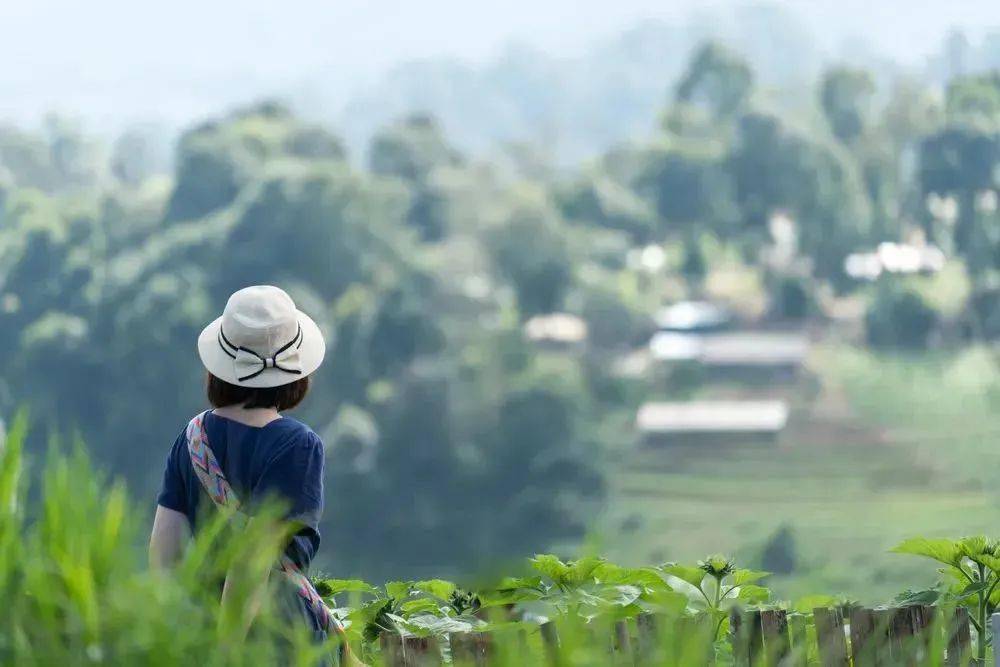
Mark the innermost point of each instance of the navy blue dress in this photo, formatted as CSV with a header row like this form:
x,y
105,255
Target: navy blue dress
x,y
283,459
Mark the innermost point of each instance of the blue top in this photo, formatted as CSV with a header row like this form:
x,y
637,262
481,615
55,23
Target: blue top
x,y
283,459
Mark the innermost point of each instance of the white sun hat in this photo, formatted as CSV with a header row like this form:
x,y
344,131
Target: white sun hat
x,y
261,340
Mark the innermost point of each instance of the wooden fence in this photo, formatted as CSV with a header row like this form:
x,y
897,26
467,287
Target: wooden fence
x,y
856,637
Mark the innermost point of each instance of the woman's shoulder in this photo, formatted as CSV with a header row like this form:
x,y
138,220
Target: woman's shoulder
x,y
293,431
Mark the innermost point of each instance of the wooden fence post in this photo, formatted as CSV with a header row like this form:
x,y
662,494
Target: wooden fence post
x,y
392,649
622,640
745,635
774,631
883,637
550,640
863,638
959,638
799,636
421,652
471,648
901,635
922,619
647,645
830,637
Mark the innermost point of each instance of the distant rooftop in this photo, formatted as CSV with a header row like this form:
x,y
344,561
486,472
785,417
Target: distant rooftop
x,y
556,328
713,417
901,258
692,316
752,348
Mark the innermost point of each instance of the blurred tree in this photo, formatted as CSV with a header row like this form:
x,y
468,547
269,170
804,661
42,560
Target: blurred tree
x,y
131,159
598,200
975,101
530,250
412,150
717,79
614,322
694,268
217,159
791,297
324,226
911,113
76,158
779,555
899,318
690,187
27,160
775,169
960,163
846,96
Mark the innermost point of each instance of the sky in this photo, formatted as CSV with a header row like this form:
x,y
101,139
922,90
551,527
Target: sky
x,y
98,58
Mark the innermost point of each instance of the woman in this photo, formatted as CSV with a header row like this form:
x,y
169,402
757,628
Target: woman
x,y
259,356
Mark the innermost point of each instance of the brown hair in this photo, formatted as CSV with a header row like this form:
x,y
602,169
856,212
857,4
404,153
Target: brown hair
x,y
284,397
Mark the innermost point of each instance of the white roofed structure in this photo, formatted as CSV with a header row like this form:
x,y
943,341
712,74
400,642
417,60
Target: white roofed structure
x,y
705,422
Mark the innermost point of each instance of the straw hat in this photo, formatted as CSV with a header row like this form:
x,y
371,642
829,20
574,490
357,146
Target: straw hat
x,y
261,340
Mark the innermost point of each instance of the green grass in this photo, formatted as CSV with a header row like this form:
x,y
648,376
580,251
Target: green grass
x,y
891,448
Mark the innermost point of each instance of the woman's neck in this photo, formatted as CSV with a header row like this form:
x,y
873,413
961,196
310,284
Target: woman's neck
x,y
249,416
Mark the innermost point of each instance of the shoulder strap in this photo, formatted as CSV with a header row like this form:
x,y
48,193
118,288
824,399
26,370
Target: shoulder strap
x,y
214,481
206,466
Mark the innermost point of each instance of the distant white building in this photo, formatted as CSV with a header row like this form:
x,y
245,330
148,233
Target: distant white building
x,y
694,317
754,354
561,329
708,423
899,258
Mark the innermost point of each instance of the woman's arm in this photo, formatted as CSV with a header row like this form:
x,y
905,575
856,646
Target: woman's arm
x,y
171,532
246,582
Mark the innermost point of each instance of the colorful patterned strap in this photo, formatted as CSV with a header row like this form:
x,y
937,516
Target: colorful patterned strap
x,y
206,467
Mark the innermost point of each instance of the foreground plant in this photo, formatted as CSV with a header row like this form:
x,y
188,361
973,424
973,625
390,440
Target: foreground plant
x,y
971,578
715,586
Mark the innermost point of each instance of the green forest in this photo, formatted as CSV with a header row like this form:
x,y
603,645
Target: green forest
x,y
423,265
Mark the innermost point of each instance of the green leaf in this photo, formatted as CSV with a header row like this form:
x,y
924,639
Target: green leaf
x,y
955,574
429,624
910,598
609,573
942,550
336,586
667,602
515,583
625,595
690,574
741,577
974,588
512,590
991,562
752,594
419,606
995,597
550,566
377,617
439,588
977,545
806,604
581,571
398,589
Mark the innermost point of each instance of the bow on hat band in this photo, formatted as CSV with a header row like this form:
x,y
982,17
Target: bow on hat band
x,y
249,364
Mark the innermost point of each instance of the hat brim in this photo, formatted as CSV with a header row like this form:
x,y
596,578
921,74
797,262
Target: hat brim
x,y
218,363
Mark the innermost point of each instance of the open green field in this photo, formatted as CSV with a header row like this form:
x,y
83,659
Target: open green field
x,y
884,449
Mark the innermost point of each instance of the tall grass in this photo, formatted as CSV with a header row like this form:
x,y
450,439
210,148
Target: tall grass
x,y
75,588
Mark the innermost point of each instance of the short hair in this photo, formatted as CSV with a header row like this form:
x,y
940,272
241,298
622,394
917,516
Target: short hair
x,y
284,397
